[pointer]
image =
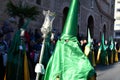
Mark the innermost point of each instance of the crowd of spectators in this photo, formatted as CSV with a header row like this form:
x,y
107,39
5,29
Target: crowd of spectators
x,y
33,40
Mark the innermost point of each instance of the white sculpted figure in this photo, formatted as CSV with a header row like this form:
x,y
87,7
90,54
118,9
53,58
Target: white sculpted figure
x,y
47,25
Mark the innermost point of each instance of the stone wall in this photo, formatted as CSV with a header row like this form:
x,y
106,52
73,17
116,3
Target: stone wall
x,y
87,8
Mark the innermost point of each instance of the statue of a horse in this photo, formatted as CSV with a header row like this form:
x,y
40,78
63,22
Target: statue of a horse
x,y
47,25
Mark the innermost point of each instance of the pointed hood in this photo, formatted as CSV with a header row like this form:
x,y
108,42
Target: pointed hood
x,y
89,37
103,40
103,46
70,27
111,44
26,24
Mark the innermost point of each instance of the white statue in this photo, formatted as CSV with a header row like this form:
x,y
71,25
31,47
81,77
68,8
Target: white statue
x,y
47,25
45,29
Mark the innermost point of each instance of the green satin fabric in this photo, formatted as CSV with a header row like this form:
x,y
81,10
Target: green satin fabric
x,y
111,50
103,51
68,62
70,27
103,55
16,58
47,50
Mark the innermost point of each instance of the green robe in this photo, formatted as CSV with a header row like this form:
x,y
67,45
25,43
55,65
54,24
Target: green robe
x,y
68,62
14,69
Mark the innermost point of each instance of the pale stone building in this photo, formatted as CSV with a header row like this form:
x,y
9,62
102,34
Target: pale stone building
x,y
117,20
98,15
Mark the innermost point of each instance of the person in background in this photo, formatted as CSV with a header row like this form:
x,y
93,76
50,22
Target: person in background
x,y
37,34
84,44
3,55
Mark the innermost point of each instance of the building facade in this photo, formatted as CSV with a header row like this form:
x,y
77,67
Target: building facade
x,y
117,20
98,15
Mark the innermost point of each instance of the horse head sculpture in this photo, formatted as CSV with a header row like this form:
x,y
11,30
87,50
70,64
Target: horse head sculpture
x,y
47,25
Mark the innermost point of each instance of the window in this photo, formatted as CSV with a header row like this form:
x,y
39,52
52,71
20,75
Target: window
x,y
118,10
118,1
38,2
117,34
117,25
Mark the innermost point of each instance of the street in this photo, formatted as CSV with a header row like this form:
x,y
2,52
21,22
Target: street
x,y
110,72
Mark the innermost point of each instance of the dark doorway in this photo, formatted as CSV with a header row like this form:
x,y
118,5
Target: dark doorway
x,y
104,31
38,2
91,26
65,12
